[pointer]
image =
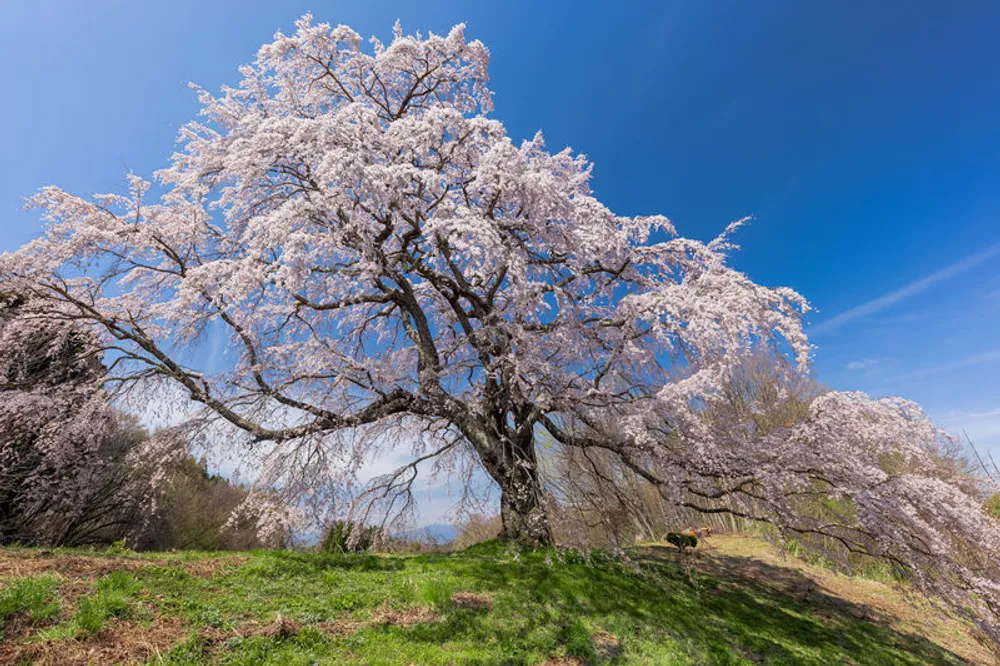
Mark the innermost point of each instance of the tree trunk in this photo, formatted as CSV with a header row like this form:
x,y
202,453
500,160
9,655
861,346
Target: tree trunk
x,y
515,470
524,518
514,467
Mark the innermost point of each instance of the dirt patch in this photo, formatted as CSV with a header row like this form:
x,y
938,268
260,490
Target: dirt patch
x,y
607,646
77,566
213,566
473,600
33,563
282,627
19,626
118,643
286,627
406,617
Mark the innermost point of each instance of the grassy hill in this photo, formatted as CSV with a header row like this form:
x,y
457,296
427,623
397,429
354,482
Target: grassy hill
x,y
734,603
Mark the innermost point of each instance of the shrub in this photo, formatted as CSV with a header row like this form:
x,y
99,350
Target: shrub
x,y
193,509
350,537
992,506
477,528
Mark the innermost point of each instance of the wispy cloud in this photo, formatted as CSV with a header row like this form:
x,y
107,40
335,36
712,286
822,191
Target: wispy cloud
x,y
982,427
912,289
864,364
985,423
988,356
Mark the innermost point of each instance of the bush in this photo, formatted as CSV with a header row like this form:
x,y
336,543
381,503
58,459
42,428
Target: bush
x,y
477,528
193,508
350,537
992,506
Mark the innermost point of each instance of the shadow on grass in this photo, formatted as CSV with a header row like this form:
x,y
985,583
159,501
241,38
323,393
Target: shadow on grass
x,y
723,618
290,563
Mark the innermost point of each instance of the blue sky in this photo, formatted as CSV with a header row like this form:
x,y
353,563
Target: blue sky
x,y
865,141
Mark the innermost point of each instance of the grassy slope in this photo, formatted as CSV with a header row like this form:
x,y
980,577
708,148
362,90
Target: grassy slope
x,y
736,603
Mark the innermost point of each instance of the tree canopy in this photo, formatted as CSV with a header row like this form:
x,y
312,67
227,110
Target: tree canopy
x,y
384,257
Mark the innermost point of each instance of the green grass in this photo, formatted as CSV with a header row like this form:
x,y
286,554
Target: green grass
x,y
659,611
34,599
661,615
113,598
436,594
578,640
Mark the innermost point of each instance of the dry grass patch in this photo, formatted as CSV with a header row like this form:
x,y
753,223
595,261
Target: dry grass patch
x,y
406,617
213,566
834,594
122,642
473,600
607,646
18,563
21,564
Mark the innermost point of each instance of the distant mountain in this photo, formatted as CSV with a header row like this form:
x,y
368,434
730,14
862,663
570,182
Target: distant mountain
x,y
441,533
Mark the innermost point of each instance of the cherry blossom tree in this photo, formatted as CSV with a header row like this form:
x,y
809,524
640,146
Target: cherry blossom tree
x,y
74,470
62,447
383,256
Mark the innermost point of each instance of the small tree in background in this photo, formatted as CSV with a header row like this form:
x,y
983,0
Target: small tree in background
x,y
477,528
345,536
74,471
193,510
61,444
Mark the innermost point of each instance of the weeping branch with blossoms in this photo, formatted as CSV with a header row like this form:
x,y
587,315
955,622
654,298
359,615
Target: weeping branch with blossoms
x,y
383,257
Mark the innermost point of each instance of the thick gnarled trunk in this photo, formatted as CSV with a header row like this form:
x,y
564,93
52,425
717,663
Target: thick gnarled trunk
x,y
513,465
524,517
